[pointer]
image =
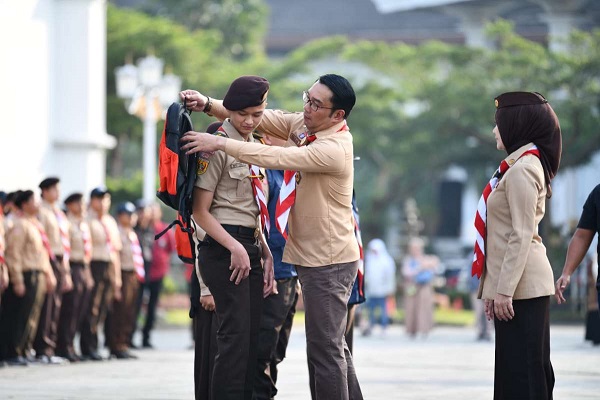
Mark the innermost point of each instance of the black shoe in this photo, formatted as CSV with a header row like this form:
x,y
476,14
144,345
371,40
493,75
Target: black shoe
x,y
120,355
72,357
132,346
147,345
16,361
93,356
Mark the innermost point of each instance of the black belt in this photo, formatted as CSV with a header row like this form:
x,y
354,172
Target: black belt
x,y
241,230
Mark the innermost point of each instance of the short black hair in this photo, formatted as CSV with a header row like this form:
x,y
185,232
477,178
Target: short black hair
x,y
343,97
23,197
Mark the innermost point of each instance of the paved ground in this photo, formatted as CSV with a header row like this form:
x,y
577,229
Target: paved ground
x,y
449,364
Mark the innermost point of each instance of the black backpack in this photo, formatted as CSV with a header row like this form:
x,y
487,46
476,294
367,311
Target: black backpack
x,y
177,175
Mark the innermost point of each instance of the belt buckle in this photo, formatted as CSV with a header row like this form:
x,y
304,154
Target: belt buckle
x,y
256,233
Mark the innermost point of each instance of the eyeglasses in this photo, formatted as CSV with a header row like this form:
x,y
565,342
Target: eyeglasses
x,y
313,106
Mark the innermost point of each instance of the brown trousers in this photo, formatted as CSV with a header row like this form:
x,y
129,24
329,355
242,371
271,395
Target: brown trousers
x,y
74,304
123,313
325,291
47,332
100,299
20,315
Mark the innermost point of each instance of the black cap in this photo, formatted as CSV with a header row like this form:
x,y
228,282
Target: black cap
x,y
511,99
140,204
246,91
48,182
73,197
99,191
3,197
126,208
212,128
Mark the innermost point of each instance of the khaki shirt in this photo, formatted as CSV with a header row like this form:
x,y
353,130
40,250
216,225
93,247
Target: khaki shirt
x,y
321,223
48,217
229,179
25,249
77,228
516,262
100,246
126,252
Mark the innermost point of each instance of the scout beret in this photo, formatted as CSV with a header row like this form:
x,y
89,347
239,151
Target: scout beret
x,y
126,208
73,197
511,99
212,128
246,91
99,191
23,197
48,182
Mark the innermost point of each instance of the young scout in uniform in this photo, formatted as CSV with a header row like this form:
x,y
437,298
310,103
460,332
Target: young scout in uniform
x,y
31,276
321,242
132,269
56,226
226,208
76,301
3,267
105,268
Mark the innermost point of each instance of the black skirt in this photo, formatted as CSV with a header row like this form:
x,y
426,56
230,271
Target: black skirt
x,y
523,369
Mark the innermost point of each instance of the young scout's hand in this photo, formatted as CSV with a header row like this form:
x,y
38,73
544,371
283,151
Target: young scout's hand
x,y
240,264
118,296
561,285
207,302
67,283
50,282
19,289
268,277
503,308
489,309
194,100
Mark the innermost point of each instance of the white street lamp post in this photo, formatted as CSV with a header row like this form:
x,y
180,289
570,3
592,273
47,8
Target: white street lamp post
x,y
145,85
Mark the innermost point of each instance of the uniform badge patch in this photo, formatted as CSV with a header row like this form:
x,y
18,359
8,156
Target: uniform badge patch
x,y
202,166
298,177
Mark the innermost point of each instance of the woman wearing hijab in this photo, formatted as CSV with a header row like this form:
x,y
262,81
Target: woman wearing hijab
x,y
380,282
516,276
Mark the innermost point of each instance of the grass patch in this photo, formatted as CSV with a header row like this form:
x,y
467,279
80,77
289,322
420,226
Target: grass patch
x,y
177,317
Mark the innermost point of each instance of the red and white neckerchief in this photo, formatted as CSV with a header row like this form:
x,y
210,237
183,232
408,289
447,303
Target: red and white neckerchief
x,y
63,227
45,240
138,259
109,245
87,241
287,193
481,215
259,195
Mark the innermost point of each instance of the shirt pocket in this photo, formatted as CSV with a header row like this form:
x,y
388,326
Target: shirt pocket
x,y
241,186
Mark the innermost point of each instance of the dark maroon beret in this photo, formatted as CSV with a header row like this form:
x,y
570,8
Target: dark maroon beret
x,y
212,128
511,99
246,91
48,182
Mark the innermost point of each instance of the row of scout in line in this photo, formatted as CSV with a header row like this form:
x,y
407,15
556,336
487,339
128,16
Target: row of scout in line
x,y
65,271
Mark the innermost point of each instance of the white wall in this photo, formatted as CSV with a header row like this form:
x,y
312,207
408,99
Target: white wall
x,y
54,93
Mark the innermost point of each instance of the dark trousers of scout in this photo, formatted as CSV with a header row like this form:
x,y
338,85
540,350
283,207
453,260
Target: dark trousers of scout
x,y
20,315
47,333
325,291
523,369
74,304
123,313
275,329
205,338
238,309
100,299
154,288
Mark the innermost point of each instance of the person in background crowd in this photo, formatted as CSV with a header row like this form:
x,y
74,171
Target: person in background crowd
x,y
10,210
516,276
76,301
105,268
31,277
161,263
132,269
418,271
279,307
380,274
3,268
56,226
145,231
482,324
592,318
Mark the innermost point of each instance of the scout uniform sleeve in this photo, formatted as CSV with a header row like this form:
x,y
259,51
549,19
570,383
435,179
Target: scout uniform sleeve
x,y
523,188
326,156
210,170
279,123
15,248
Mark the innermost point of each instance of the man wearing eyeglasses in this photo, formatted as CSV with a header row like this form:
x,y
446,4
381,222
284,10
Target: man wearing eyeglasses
x,y
321,242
